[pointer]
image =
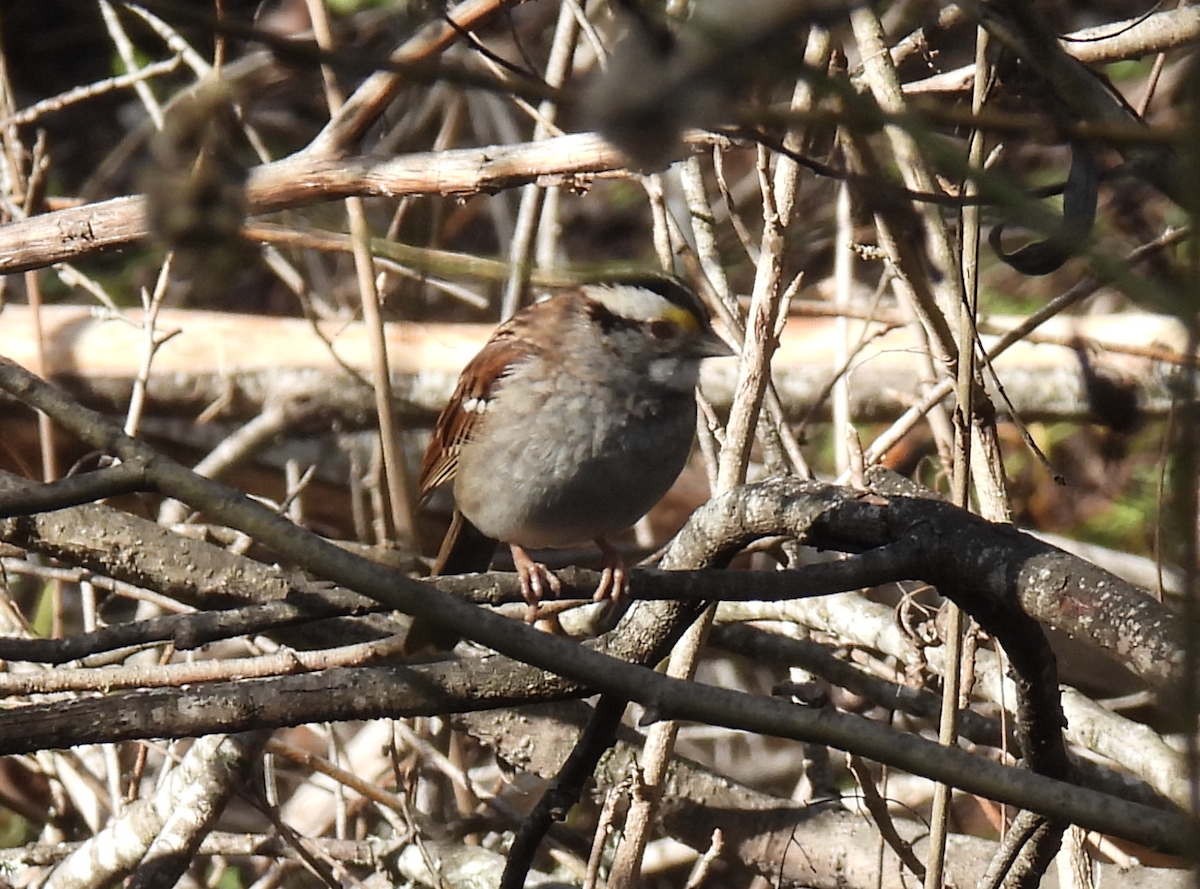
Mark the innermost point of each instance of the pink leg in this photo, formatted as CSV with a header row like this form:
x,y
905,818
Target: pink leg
x,y
614,582
536,580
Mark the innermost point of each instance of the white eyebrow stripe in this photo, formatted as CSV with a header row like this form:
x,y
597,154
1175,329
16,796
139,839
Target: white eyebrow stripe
x,y
630,301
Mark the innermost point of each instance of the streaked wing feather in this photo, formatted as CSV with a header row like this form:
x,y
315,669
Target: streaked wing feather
x,y
476,386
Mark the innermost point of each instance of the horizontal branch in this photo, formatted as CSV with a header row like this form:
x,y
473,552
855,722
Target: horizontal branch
x,y
765,828
1054,587
571,161
819,514
248,361
489,683
1112,42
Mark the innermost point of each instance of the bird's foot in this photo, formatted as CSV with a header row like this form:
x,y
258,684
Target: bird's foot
x,y
537,581
614,581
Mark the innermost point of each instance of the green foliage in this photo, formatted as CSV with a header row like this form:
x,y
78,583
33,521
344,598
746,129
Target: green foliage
x,y
1128,70
1122,526
43,614
998,302
231,878
349,7
140,58
15,830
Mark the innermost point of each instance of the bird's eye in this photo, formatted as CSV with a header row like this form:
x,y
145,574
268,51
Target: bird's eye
x,y
662,330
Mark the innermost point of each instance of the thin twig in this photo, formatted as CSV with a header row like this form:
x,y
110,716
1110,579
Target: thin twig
x,y
128,54
877,806
70,97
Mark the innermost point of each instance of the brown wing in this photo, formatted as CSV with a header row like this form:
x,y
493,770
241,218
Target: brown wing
x,y
471,397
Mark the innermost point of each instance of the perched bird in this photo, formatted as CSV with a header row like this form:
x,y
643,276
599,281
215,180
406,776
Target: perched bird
x,y
573,420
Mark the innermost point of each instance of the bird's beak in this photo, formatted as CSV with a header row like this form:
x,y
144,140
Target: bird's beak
x,y
709,345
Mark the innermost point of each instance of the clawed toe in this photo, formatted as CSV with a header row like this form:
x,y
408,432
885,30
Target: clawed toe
x,y
614,585
537,582
614,581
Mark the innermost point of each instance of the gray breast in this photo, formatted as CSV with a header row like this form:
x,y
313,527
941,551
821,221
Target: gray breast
x,y
567,465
